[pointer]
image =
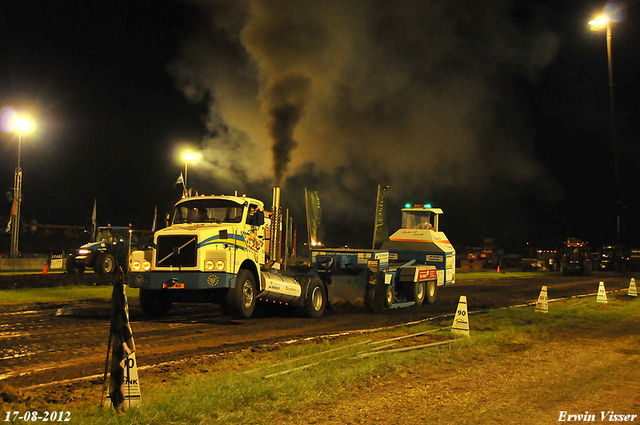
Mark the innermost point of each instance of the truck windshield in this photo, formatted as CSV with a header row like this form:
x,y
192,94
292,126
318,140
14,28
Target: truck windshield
x,y
416,220
208,211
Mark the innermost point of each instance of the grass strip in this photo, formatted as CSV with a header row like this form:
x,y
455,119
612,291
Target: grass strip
x,y
60,293
517,365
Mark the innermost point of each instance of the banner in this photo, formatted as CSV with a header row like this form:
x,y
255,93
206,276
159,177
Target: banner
x,y
381,227
315,229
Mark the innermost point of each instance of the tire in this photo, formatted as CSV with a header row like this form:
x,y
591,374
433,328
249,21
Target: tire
x,y
315,301
388,299
71,266
242,299
431,291
105,263
417,292
154,302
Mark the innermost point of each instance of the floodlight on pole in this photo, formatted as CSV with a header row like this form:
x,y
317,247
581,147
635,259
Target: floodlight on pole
x,y
188,156
598,24
21,125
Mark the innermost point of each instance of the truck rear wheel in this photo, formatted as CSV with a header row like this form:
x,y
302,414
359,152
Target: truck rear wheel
x,y
242,298
432,291
316,300
105,263
154,302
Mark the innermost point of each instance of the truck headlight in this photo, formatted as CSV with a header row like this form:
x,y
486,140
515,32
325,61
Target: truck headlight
x,y
137,265
214,265
83,251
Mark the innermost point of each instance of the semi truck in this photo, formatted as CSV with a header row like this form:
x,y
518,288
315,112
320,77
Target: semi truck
x,y
226,250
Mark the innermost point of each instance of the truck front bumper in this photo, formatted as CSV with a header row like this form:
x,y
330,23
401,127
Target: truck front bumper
x,y
180,280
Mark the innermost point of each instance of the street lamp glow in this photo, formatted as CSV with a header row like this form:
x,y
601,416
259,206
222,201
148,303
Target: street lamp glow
x,y
22,125
598,23
188,156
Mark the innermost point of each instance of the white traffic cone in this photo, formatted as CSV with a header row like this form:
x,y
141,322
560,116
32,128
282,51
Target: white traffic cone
x,y
542,306
461,320
633,291
602,294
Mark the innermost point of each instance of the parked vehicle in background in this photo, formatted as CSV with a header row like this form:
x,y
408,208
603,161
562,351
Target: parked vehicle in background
x,y
109,249
609,258
576,258
633,259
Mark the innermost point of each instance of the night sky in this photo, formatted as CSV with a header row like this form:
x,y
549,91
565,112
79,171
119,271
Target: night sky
x,y
497,111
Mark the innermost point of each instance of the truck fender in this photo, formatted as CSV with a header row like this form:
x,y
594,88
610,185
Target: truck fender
x,y
304,280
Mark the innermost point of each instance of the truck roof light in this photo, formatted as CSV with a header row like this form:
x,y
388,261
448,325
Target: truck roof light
x,y
408,205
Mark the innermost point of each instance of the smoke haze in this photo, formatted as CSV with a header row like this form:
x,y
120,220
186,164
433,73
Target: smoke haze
x,y
341,96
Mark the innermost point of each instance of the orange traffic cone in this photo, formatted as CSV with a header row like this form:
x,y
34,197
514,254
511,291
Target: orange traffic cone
x,y
498,269
44,268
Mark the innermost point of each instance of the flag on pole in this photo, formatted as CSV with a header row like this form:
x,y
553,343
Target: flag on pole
x,y
381,228
180,180
124,387
315,229
155,218
13,213
94,220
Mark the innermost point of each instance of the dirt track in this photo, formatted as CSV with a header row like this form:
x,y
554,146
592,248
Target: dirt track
x,y
51,348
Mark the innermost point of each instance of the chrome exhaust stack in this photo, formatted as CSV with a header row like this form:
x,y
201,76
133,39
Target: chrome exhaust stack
x,y
274,252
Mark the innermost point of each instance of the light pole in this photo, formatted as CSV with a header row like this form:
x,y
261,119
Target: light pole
x,y
188,156
21,125
598,24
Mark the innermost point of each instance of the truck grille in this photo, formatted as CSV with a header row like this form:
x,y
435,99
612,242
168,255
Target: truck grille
x,y
177,251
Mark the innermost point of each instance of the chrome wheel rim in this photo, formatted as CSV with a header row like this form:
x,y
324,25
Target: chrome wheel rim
x,y
316,298
247,293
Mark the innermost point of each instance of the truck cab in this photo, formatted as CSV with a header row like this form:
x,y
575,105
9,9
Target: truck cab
x,y
212,242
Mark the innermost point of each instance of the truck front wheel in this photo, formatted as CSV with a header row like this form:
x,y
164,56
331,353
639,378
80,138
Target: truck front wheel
x,y
242,298
316,300
154,303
